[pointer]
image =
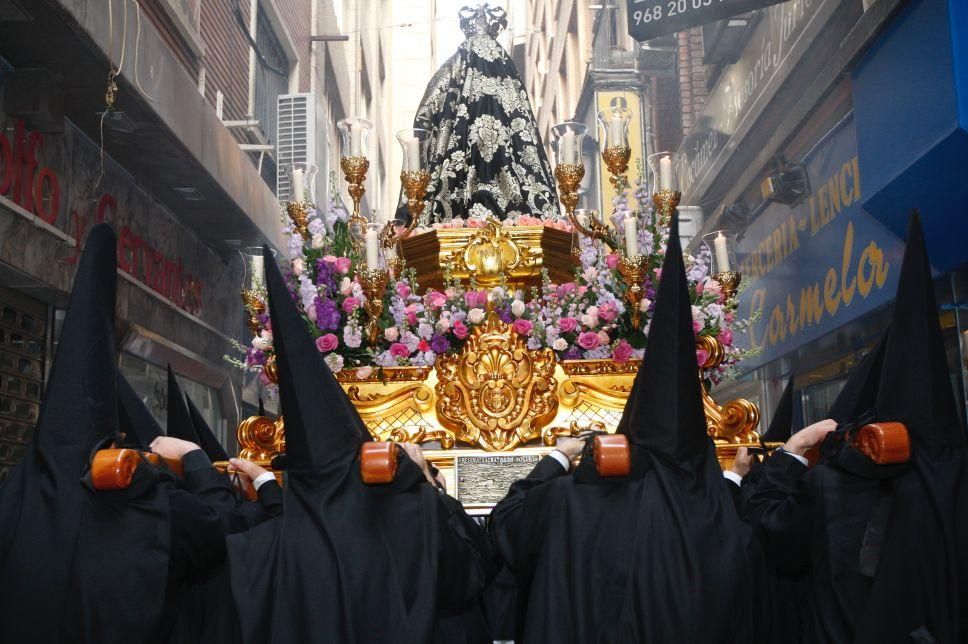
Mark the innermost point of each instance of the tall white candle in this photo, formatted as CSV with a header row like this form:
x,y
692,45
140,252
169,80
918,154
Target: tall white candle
x,y
631,236
616,128
257,271
665,174
567,144
372,248
356,140
722,253
412,162
298,185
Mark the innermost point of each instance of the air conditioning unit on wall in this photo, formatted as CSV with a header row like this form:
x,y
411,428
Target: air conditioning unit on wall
x,y
296,138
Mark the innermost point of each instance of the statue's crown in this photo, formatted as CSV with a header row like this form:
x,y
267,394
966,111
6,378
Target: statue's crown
x,y
483,19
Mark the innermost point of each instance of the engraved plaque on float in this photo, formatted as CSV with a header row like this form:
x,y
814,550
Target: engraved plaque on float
x,y
484,480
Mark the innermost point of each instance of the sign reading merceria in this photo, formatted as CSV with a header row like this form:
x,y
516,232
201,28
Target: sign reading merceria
x,y
652,18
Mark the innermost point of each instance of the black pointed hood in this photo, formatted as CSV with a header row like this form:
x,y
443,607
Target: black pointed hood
x,y
206,436
915,384
665,414
79,407
322,426
135,421
179,419
781,425
858,393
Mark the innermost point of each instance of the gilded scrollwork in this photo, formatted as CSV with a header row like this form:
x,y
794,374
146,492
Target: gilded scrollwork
x,y
496,394
261,438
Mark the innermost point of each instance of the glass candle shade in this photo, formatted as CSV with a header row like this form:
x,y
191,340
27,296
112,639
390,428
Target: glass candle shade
x,y
354,132
569,137
614,123
415,143
302,182
662,172
722,246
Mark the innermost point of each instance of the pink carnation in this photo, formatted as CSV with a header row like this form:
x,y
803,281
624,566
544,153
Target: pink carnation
x,y
726,337
327,343
475,299
403,290
622,351
588,340
350,304
608,311
411,314
343,264
567,325
459,330
436,299
522,327
611,260
566,289
399,350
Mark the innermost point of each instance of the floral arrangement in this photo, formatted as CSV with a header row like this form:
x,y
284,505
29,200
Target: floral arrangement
x,y
586,318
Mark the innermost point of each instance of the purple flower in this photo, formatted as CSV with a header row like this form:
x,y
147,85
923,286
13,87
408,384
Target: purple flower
x,y
504,314
439,344
327,315
324,274
573,353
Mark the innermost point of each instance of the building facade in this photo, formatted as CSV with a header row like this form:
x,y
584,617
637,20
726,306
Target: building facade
x,y
181,148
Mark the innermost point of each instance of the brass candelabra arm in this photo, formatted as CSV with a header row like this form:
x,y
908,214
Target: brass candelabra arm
x,y
595,229
632,270
374,282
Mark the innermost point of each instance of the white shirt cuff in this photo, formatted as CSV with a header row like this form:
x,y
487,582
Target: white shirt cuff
x,y
561,458
797,456
265,477
733,476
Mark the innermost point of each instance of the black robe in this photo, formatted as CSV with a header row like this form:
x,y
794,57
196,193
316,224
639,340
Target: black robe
x,y
623,560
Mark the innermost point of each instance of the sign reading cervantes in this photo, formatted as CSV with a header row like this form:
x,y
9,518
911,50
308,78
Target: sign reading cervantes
x,y
652,18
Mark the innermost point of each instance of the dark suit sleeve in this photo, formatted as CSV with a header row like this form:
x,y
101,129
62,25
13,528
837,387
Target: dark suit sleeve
x,y
216,489
518,517
468,559
268,505
780,509
197,541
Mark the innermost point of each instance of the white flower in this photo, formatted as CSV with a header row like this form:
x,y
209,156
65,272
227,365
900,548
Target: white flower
x,y
497,293
318,241
592,311
260,344
298,267
334,361
475,316
591,321
517,308
698,315
364,372
346,286
560,344
425,331
645,304
443,323
391,334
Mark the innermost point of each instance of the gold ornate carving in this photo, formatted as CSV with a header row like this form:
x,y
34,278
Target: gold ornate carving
x,y
491,254
298,212
415,184
261,438
632,270
387,374
255,306
729,282
355,168
497,394
737,420
616,159
666,202
569,176
600,367
270,369
374,284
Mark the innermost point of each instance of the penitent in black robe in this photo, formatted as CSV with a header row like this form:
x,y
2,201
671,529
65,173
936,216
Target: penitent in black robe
x,y
657,556
346,562
74,561
885,545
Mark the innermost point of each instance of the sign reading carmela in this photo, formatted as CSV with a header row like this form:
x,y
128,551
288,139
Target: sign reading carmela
x,y
652,18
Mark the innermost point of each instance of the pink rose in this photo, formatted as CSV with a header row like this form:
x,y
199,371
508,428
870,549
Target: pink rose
x,y
701,356
411,314
350,304
696,326
364,372
608,311
611,260
699,287
343,264
566,289
582,290
603,338
391,333
588,340
399,350
726,337
327,343
403,290
330,259
567,325
522,327
436,299
475,299
459,330
622,351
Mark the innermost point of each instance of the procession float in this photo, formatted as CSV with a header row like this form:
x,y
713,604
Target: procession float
x,y
491,315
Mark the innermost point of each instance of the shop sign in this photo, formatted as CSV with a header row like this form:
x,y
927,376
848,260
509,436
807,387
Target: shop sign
x,y
814,267
652,18
37,189
779,40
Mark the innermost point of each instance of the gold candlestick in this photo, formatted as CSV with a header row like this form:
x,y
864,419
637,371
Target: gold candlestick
x,y
569,176
616,159
298,212
666,201
415,184
395,266
632,270
355,170
729,282
374,283
255,307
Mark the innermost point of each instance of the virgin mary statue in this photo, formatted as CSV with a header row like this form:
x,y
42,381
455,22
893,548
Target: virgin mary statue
x,y
486,156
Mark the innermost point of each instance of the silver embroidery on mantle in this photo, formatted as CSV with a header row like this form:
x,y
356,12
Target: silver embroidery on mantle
x,y
486,156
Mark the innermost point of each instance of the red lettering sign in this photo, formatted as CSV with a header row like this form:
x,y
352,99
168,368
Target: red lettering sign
x,y
33,187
